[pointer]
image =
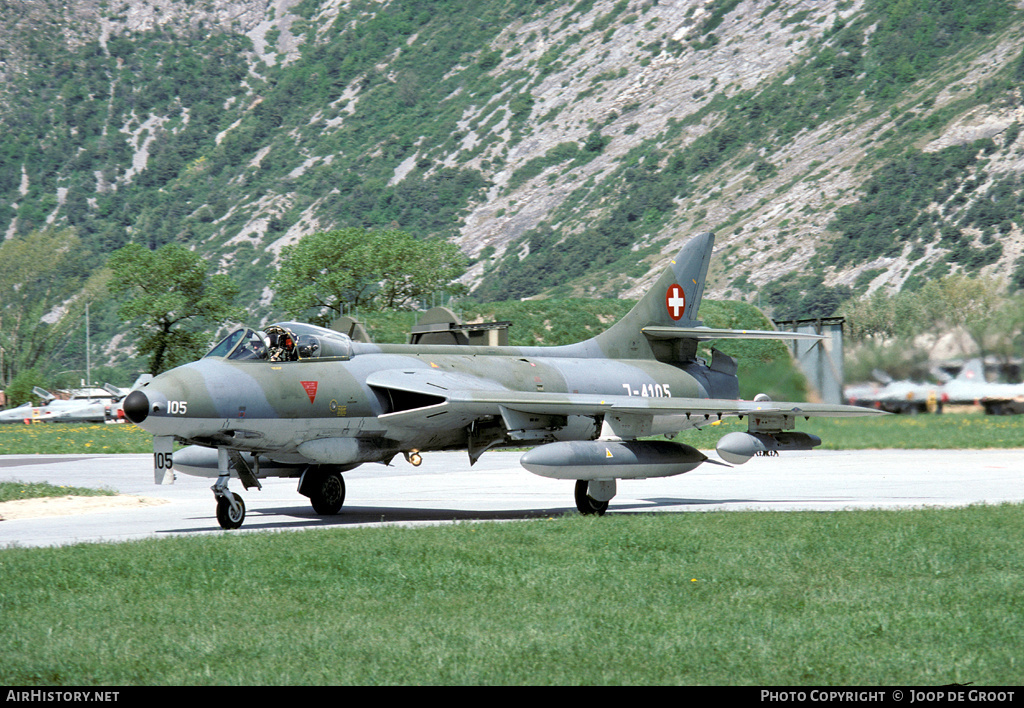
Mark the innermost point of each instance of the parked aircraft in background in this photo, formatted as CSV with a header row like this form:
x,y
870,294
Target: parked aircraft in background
x,y
50,407
893,396
971,387
968,387
92,409
95,411
19,414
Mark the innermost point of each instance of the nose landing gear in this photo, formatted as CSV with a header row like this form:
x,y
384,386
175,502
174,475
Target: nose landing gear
x,y
230,507
230,511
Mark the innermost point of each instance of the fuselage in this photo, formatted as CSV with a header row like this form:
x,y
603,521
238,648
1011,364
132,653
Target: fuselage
x,y
274,407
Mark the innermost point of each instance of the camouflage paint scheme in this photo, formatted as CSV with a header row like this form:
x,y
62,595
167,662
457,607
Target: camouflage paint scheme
x,y
326,404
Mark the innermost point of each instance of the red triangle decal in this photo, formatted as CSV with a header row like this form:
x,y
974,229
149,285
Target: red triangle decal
x,y
310,387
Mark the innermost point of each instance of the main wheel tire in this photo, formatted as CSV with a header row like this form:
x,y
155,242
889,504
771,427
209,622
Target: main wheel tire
x,y
587,504
328,495
228,518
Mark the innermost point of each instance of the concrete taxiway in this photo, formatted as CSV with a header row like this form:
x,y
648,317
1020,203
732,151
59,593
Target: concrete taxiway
x,y
445,488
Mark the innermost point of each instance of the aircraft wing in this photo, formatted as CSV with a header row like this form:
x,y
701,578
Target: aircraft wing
x,y
587,404
437,400
632,416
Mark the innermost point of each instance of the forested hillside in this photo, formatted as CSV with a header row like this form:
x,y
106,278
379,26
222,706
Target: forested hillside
x,y
569,148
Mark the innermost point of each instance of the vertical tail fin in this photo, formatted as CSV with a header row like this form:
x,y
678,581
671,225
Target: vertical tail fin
x,y
973,372
672,301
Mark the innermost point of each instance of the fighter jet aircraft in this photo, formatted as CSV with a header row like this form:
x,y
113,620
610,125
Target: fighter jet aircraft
x,y
894,396
52,408
971,387
93,409
20,414
296,400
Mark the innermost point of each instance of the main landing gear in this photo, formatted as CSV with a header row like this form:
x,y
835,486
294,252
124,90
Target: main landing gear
x,y
325,489
323,484
592,496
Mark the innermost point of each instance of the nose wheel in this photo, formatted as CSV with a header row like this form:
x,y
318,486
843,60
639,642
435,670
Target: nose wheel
x,y
230,512
230,507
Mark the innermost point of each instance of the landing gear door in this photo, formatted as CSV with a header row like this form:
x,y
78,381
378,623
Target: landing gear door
x,y
163,448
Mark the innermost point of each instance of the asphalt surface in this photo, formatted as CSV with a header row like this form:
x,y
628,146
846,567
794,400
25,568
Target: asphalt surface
x,y
445,489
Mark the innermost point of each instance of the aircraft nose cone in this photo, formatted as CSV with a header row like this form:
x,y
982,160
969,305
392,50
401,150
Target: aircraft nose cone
x,y
136,407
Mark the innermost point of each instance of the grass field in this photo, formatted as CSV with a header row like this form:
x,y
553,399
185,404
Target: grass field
x,y
919,597
73,439
11,491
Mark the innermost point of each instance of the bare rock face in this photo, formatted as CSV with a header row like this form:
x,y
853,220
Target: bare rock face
x,y
614,80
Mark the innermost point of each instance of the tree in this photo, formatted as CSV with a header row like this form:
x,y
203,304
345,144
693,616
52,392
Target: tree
x,y
956,299
882,315
172,298
898,331
20,389
996,322
330,271
1003,335
40,297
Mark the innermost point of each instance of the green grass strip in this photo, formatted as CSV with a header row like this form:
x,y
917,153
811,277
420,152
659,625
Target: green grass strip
x,y
11,491
73,439
916,597
960,431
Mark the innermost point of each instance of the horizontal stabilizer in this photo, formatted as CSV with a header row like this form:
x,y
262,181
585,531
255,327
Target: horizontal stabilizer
x,y
707,333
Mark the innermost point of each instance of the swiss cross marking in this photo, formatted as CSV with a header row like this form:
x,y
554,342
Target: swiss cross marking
x,y
675,301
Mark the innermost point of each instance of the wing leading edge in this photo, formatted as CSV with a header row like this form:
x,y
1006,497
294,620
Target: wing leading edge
x,y
452,399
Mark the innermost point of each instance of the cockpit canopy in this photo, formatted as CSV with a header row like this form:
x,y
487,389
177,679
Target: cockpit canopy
x,y
284,341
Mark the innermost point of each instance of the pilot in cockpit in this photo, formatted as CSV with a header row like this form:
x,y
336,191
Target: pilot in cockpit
x,y
282,347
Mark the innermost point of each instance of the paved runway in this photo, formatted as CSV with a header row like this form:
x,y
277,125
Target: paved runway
x,y
445,488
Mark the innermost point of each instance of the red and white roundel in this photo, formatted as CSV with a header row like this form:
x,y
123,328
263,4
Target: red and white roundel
x,y
675,301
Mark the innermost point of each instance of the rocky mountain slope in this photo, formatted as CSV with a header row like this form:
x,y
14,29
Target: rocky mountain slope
x,y
835,146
